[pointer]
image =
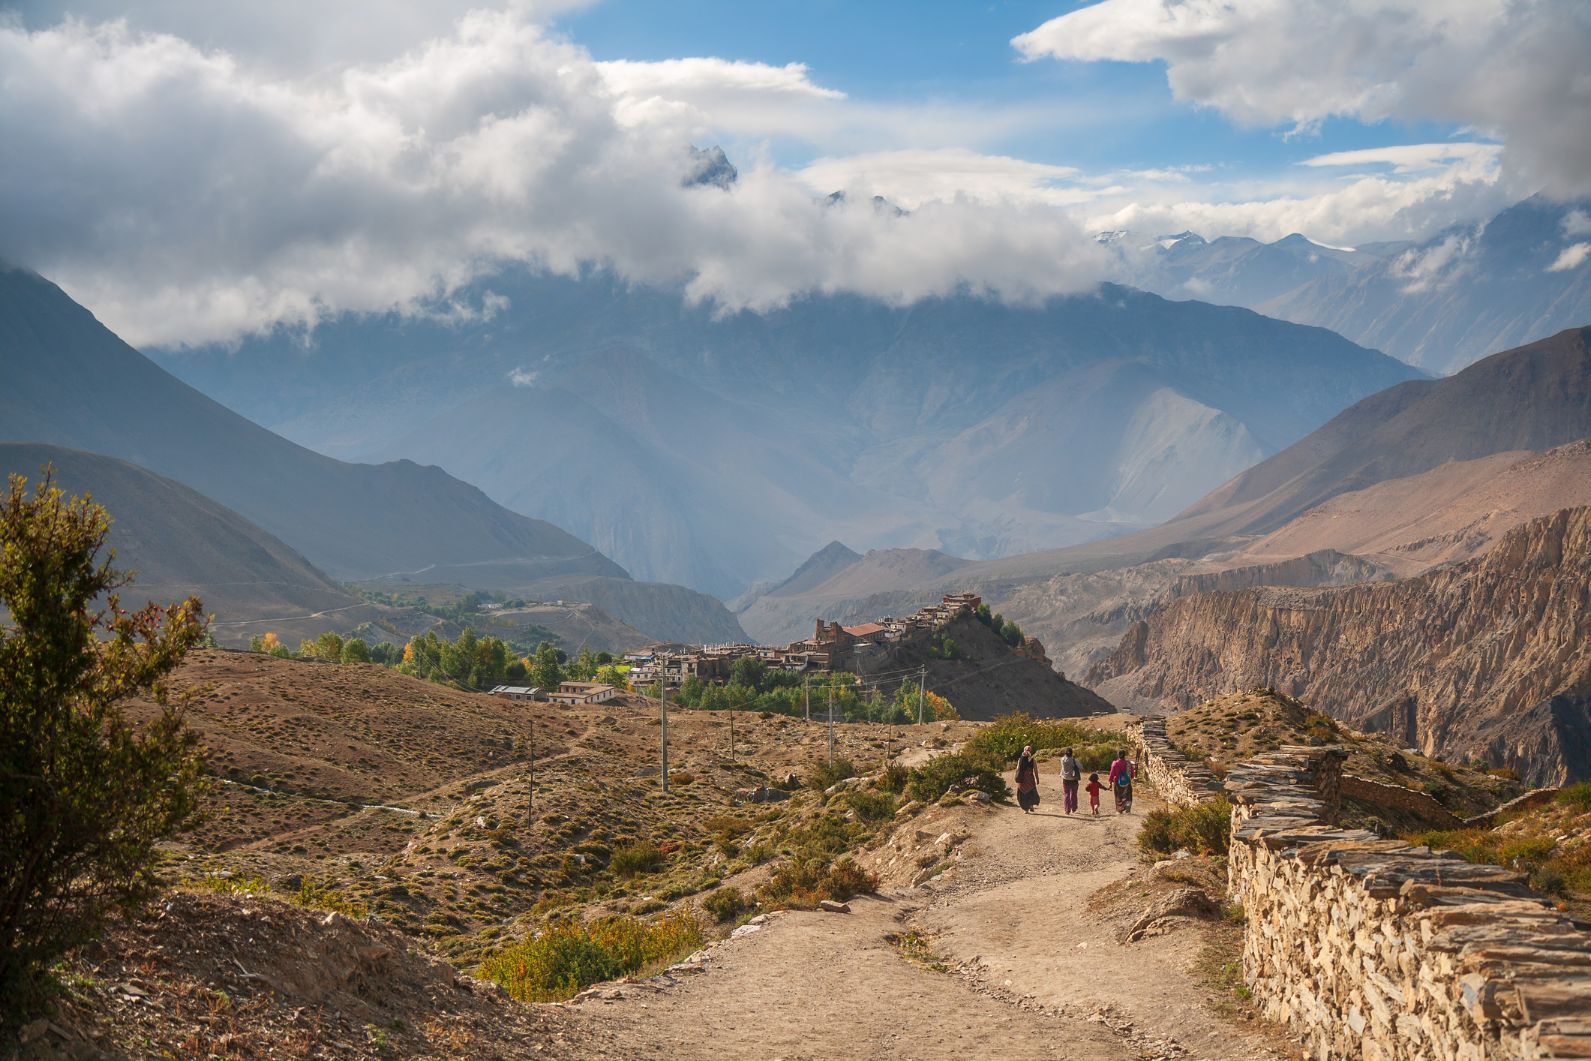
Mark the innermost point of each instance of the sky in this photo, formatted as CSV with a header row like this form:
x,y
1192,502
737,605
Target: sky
x,y
195,172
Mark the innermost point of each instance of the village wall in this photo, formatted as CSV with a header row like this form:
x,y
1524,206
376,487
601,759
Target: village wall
x,y
1374,948
1181,781
1380,794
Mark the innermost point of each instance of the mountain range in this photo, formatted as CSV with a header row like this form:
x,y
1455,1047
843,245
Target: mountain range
x,y
1440,303
1425,472
67,381
719,451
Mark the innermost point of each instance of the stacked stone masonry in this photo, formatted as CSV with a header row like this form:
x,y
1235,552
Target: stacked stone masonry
x,y
1371,948
1375,948
1180,781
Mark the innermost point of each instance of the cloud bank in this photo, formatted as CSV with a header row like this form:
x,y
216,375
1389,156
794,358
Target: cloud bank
x,y
197,172
188,196
1513,69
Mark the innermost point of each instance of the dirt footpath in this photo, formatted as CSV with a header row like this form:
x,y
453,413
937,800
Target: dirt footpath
x,y
1037,909
1029,966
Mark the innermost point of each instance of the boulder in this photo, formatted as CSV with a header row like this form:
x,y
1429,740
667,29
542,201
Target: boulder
x,y
833,907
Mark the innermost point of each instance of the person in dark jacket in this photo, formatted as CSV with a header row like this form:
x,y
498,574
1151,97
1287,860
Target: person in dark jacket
x,y
1027,781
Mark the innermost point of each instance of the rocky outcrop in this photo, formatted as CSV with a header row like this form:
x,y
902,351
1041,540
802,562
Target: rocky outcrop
x,y
1374,948
1325,567
1488,659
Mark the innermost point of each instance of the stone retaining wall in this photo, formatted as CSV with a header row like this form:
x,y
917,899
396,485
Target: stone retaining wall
x,y
1538,797
1379,794
1180,781
1374,948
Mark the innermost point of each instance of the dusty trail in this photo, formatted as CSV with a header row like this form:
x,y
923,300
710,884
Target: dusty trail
x,y
1033,969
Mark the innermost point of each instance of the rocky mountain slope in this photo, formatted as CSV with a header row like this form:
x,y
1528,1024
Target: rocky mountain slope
x,y
1453,472
1441,303
749,441
1487,659
1449,513
68,381
180,543
1531,398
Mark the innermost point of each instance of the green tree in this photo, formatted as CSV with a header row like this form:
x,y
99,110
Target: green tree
x,y
1012,633
356,650
584,668
749,672
547,672
84,795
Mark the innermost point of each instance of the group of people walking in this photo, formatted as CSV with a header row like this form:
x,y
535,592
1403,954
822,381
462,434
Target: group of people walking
x,y
1119,781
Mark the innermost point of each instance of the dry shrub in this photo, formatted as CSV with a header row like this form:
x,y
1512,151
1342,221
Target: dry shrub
x,y
1204,829
803,882
632,860
565,959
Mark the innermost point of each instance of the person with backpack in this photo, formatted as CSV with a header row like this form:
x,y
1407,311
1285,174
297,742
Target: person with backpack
x,y
1027,781
1121,772
1071,774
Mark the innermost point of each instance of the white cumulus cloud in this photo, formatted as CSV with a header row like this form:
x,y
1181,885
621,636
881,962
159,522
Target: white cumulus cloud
x,y
1513,69
1571,258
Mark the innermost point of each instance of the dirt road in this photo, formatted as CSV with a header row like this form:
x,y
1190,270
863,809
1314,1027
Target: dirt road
x,y
1030,966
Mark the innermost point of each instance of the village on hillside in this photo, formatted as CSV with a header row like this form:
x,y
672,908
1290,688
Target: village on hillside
x,y
832,648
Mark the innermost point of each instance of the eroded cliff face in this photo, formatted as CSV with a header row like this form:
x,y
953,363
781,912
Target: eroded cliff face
x,y
1490,658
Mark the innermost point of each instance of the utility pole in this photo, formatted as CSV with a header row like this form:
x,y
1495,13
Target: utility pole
x,y
731,731
806,694
530,808
922,683
831,718
662,692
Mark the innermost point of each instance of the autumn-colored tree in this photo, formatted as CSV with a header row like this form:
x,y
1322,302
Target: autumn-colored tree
x,y
85,795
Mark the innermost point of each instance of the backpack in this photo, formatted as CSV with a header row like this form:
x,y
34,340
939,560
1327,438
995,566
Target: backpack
x,y
1070,770
1124,778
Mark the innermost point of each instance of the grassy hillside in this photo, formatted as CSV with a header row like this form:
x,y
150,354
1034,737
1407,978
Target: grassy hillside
x,y
351,786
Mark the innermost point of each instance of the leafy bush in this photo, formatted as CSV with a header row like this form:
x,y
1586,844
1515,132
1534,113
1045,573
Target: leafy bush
x,y
1204,829
726,904
1003,739
831,773
803,882
85,796
563,960
871,806
1577,796
934,778
632,860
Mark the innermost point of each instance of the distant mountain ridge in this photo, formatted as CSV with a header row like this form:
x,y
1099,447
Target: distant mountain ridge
x,y
66,380
1439,303
720,451
1425,472
179,543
